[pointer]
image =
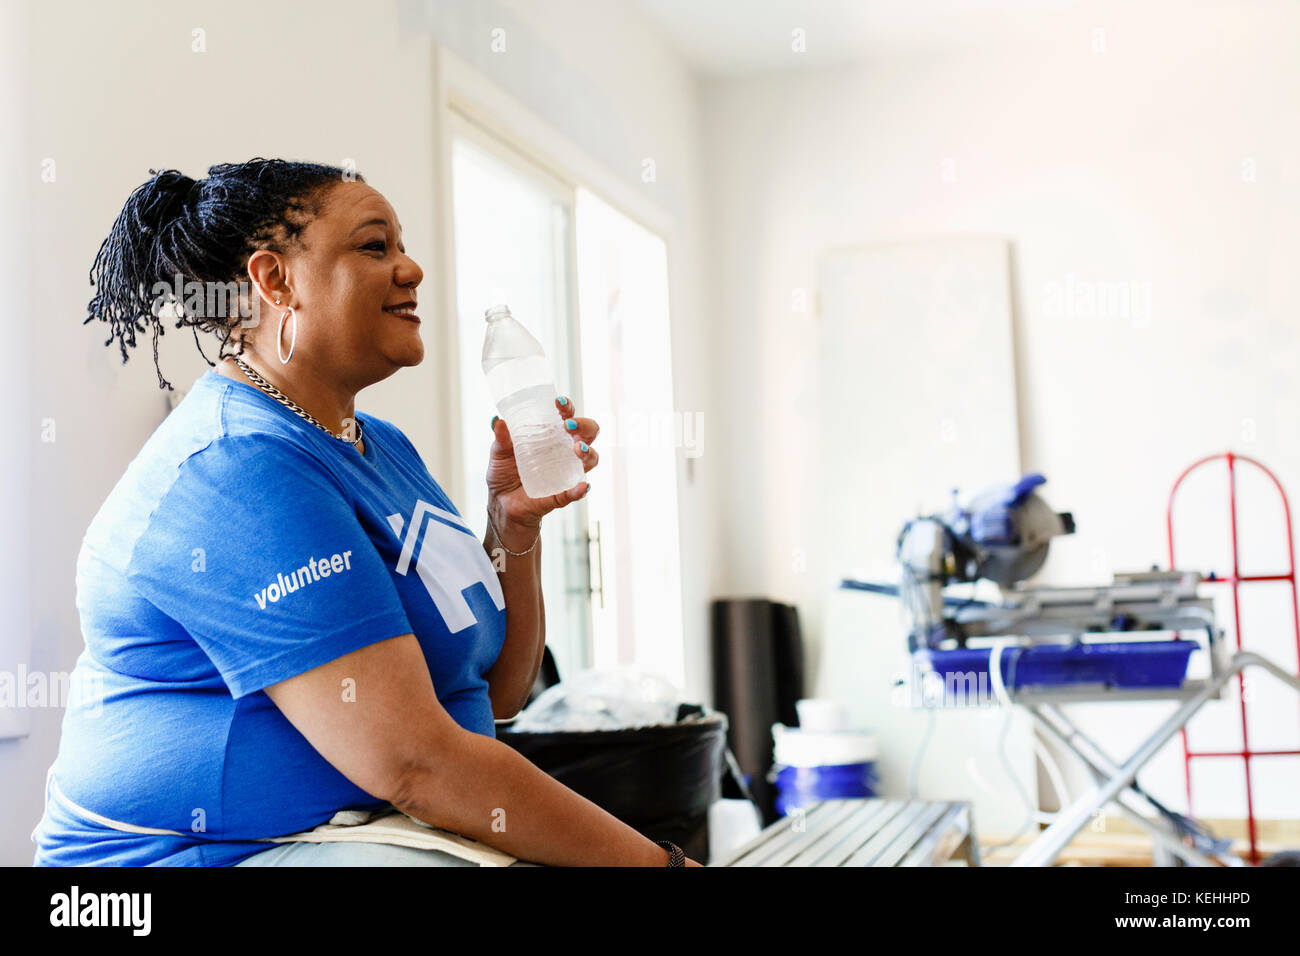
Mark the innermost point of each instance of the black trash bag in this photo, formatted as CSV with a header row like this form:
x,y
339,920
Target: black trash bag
x,y
658,780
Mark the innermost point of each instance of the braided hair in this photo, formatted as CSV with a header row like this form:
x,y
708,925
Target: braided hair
x,y
174,230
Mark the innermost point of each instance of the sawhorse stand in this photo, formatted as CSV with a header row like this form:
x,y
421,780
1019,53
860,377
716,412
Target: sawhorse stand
x,y
1116,783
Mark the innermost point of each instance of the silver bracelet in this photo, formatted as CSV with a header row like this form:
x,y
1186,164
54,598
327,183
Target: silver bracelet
x,y
497,534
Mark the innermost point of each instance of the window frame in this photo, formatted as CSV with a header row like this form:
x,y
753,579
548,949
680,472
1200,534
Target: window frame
x,y
469,104
465,94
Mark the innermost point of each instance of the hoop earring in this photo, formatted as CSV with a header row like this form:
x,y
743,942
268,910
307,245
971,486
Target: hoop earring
x,y
293,341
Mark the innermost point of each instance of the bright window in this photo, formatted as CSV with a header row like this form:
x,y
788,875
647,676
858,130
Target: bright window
x,y
627,381
592,285
512,229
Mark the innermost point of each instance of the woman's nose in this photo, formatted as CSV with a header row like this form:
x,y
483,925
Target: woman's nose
x,y
410,275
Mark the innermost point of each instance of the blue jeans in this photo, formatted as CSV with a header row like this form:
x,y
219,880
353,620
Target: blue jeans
x,y
355,854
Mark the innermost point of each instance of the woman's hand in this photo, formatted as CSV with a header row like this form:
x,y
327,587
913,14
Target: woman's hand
x,y
517,516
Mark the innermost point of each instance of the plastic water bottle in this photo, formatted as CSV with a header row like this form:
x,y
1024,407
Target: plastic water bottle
x,y
520,381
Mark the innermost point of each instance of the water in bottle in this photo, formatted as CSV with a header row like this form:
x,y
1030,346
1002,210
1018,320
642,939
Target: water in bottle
x,y
520,381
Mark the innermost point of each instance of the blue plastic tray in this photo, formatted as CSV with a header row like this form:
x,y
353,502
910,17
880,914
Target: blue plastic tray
x,y
1120,664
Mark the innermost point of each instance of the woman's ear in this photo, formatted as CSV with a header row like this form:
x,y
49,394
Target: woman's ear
x,y
267,274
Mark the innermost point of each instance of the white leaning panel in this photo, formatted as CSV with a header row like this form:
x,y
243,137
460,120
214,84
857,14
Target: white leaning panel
x,y
918,395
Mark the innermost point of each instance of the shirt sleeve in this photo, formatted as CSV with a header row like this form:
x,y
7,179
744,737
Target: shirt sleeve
x,y
257,551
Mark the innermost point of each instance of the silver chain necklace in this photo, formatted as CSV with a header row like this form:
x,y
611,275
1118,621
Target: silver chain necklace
x,y
290,404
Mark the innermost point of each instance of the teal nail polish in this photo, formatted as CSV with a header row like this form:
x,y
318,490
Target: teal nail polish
x,y
562,400
571,425
583,446
494,422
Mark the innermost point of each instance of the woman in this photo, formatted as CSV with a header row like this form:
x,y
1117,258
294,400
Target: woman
x,y
287,616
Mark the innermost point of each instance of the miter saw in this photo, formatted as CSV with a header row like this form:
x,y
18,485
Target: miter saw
x,y
1039,648
1032,646
1002,536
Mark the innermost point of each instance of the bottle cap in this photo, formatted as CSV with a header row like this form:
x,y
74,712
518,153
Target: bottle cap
x,y
496,310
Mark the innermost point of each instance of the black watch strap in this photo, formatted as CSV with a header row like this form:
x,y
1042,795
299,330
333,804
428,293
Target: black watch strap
x,y
675,855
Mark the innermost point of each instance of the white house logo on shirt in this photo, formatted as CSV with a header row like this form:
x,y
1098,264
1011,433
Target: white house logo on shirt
x,y
450,559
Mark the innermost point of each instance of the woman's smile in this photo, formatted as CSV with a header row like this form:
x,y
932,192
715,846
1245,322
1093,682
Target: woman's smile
x,y
404,310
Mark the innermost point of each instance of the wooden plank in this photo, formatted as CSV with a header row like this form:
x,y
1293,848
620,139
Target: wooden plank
x,y
850,842
860,832
902,845
944,838
785,841
758,840
866,854
852,832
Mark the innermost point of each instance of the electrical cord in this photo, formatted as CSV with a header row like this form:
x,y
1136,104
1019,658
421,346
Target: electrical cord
x,y
1032,815
914,605
1055,776
914,774
1024,798
1000,691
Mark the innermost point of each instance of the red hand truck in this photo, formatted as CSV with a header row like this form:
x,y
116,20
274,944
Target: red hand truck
x,y
1235,580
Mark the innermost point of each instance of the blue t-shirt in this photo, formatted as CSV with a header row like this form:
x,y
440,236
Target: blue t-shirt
x,y
242,547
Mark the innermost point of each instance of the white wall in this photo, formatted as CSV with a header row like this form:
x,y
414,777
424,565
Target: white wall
x,y
1129,164
116,88
15,386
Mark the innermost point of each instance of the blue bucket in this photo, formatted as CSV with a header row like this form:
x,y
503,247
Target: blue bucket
x,y
802,786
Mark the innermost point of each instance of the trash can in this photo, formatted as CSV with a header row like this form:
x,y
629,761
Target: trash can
x,y
659,780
